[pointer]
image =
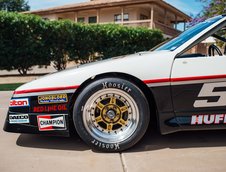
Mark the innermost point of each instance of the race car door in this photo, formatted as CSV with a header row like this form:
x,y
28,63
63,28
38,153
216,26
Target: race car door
x,y
198,86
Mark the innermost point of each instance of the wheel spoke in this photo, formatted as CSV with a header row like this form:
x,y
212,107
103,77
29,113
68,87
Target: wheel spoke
x,y
99,119
122,122
113,100
123,109
100,106
109,127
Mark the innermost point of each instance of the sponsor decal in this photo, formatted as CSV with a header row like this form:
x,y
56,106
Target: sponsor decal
x,y
51,122
19,119
23,102
211,90
50,108
55,98
208,119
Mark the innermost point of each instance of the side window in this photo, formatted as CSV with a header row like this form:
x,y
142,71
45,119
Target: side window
x,y
214,45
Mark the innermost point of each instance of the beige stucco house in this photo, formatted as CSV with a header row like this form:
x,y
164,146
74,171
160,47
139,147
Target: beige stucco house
x,y
147,13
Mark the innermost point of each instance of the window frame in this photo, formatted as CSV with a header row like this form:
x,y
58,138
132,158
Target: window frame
x,y
118,17
90,18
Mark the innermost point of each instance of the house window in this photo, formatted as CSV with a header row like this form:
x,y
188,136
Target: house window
x,y
126,17
81,20
143,17
118,17
93,19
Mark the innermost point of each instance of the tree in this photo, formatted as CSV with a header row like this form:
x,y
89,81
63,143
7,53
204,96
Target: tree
x,y
14,5
211,8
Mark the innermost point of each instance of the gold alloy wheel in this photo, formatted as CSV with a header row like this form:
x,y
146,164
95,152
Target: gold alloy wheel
x,y
111,115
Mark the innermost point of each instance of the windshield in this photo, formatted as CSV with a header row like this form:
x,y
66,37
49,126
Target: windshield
x,y
188,34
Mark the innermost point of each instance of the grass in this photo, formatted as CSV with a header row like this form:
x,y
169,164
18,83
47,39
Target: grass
x,y
9,87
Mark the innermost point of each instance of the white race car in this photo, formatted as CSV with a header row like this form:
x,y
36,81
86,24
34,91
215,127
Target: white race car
x,y
181,84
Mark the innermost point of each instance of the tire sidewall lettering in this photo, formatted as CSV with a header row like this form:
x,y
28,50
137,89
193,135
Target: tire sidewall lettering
x,y
116,85
112,146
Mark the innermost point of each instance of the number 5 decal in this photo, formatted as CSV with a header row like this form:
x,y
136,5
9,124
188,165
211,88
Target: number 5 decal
x,y
208,91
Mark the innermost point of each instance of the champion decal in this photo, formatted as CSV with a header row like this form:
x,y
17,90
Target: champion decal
x,y
51,122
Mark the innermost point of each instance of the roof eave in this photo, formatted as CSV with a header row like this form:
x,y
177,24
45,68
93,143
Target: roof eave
x,y
89,6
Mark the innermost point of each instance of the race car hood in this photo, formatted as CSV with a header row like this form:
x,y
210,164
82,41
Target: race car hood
x,y
143,65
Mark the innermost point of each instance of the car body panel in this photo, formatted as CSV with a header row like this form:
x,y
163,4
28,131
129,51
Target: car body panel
x,y
154,65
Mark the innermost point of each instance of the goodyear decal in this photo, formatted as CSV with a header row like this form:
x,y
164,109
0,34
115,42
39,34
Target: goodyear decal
x,y
54,98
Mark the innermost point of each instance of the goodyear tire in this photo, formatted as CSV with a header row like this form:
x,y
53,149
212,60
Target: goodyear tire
x,y
111,114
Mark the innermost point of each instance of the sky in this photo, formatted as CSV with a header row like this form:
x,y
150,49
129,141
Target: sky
x,y
187,6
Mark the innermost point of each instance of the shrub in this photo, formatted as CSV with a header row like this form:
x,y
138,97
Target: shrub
x,y
28,40
21,42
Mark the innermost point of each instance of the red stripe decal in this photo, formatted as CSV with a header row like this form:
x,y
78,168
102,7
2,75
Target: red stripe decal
x,y
184,79
46,89
198,78
156,81
145,81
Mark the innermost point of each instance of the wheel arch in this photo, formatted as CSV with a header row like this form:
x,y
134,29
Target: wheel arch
x,y
139,83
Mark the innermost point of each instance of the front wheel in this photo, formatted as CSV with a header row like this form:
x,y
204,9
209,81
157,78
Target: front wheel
x,y
111,114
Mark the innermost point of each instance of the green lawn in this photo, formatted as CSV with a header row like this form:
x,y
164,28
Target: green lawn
x,y
9,87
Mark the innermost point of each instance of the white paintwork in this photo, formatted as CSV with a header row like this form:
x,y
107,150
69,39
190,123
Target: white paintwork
x,y
145,66
199,66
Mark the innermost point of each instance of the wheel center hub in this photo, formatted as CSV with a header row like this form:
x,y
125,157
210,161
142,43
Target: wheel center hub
x,y
111,114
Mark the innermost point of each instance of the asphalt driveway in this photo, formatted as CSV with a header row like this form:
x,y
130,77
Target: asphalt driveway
x,y
185,151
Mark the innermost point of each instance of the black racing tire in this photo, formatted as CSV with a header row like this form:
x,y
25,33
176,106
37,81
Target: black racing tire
x,y
111,114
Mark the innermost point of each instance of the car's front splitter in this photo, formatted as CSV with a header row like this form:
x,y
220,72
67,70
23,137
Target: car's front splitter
x,y
42,114
33,127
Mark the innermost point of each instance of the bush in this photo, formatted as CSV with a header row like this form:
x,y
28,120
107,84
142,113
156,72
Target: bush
x,y
21,42
28,40
115,40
